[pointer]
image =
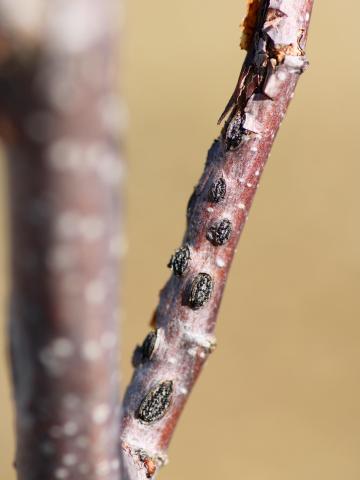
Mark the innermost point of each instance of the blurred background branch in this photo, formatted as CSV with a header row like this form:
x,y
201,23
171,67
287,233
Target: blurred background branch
x,y
59,123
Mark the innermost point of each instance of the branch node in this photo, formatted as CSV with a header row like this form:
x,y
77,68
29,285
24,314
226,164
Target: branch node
x,y
149,460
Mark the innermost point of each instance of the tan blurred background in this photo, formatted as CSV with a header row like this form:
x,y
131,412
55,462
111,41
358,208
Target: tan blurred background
x,y
280,398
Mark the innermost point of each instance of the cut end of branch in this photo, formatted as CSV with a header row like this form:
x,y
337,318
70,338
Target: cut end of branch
x,y
249,24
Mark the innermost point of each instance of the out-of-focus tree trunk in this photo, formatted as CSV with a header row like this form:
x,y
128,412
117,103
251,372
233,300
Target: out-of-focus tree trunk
x,y
59,123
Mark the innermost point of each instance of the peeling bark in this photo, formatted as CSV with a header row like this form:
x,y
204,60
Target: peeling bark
x,y
59,123
186,314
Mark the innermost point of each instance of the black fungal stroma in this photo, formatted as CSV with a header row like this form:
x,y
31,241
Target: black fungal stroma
x,y
217,191
200,291
148,346
156,403
180,260
219,232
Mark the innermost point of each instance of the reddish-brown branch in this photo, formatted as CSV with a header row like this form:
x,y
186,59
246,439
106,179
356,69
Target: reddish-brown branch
x,y
189,302
57,122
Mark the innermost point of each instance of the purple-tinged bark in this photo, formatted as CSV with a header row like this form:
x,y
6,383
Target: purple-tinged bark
x,y
58,122
217,212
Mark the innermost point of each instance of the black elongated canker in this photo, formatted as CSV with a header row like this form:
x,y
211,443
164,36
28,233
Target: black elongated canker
x,y
180,260
219,232
156,403
217,191
200,290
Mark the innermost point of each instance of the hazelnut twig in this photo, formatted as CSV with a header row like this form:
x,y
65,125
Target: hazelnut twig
x,y
172,356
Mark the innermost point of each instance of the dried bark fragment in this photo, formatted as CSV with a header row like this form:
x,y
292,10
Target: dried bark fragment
x,y
249,24
149,464
150,467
